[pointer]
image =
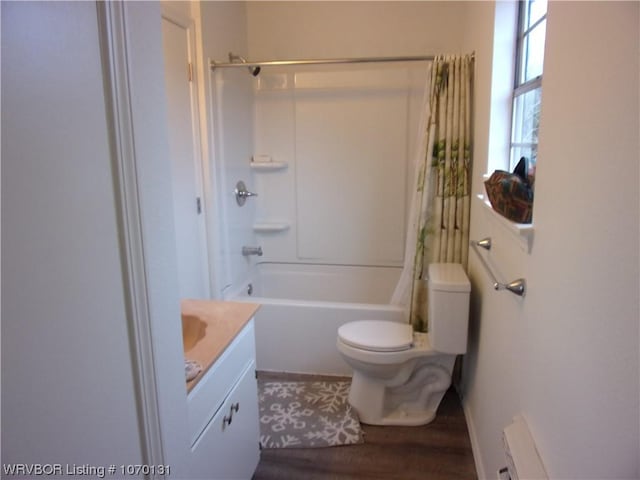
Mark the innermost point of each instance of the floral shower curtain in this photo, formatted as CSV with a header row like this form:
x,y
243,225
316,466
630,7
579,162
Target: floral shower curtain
x,y
439,218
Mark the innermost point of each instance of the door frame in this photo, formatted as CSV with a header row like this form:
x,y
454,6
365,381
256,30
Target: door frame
x,y
167,13
130,31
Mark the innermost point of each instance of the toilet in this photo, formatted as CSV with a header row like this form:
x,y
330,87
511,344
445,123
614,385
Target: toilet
x,y
400,376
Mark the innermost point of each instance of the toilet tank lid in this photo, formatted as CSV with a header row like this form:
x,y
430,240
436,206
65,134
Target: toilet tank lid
x,y
448,277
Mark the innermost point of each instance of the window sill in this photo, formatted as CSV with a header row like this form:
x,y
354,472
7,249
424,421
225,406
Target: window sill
x,y
521,232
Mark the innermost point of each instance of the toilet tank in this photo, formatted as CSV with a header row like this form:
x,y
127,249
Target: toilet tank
x,y
448,300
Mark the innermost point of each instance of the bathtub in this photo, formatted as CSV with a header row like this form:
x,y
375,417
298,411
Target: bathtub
x,y
302,306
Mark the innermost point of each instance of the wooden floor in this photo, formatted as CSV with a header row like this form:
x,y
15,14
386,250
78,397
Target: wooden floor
x,y
440,450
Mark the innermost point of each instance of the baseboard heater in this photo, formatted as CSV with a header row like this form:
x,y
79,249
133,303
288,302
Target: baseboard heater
x,y
523,459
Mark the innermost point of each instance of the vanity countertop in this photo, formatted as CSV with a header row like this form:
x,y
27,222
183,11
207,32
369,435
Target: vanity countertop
x,y
222,322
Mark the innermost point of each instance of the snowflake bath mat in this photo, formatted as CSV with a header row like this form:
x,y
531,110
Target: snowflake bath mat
x,y
306,414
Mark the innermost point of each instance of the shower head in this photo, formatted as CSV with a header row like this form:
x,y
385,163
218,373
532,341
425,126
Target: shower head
x,y
237,58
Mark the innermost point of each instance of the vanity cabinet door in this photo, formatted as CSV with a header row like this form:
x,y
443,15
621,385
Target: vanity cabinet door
x,y
215,386
228,447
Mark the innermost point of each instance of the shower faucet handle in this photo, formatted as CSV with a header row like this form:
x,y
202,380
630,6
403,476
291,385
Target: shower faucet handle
x,y
242,193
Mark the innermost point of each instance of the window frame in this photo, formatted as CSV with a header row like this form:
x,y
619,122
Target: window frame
x,y
520,87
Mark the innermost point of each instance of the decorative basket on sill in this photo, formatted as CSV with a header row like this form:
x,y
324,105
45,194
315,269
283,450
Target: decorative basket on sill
x,y
511,194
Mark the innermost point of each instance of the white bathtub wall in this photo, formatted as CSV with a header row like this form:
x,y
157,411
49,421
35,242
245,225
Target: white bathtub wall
x,y
227,101
234,134
344,191
346,135
351,165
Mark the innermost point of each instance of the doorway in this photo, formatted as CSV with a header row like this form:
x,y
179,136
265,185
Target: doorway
x,y
186,161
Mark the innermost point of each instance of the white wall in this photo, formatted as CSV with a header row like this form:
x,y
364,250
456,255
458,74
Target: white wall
x,y
566,356
153,179
352,29
67,383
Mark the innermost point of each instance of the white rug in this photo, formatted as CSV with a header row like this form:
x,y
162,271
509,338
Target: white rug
x,y
306,414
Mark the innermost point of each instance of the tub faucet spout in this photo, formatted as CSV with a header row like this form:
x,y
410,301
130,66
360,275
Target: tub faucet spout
x,y
246,251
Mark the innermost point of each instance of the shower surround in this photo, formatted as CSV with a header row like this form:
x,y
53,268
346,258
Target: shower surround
x,y
333,146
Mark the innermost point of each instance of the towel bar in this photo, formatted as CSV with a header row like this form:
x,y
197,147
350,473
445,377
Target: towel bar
x,y
517,287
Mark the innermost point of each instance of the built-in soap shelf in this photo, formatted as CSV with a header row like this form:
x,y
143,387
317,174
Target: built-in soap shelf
x,y
270,227
268,166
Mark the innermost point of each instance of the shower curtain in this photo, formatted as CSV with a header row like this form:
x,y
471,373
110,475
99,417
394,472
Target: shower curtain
x,y
439,214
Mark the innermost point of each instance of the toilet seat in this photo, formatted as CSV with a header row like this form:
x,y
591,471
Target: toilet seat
x,y
377,335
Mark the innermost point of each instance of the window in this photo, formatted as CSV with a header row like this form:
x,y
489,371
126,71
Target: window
x,y
527,93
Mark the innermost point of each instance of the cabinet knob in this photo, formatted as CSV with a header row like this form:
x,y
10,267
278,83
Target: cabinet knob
x,y
227,420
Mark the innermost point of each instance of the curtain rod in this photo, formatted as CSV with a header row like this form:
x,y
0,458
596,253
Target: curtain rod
x,y
318,61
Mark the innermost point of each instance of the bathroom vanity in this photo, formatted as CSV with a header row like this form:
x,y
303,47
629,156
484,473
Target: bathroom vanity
x,y
222,399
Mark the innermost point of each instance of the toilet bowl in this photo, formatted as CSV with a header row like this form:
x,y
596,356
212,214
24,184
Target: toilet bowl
x,y
400,376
